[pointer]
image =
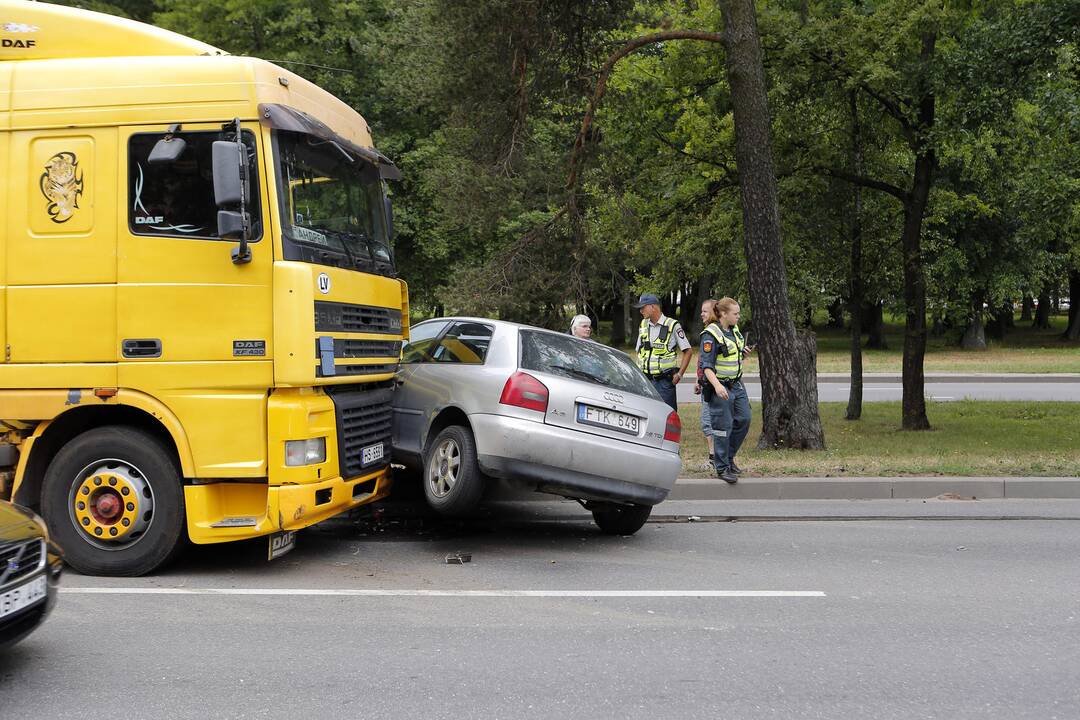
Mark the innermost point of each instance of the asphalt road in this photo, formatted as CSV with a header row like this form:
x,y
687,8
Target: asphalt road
x,y
798,618
874,391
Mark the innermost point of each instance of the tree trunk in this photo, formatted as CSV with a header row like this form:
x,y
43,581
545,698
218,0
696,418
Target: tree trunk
x,y
1072,332
618,323
1027,307
975,336
688,312
914,398
1042,312
788,376
998,326
704,287
855,302
836,314
667,305
875,326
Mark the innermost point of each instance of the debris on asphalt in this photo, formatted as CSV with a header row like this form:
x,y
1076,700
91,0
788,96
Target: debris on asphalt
x,y
954,496
694,518
458,558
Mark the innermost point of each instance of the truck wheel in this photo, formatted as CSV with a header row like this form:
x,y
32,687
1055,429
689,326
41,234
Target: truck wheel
x,y
113,502
453,483
621,519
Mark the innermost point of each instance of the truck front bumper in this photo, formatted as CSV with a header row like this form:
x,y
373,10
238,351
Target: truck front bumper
x,y
225,511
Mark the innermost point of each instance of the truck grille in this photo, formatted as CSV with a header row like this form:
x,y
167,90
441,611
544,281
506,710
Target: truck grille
x,y
352,349
363,421
18,560
347,370
345,317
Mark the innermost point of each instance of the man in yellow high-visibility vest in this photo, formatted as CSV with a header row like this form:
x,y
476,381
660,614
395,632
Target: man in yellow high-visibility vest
x,y
662,348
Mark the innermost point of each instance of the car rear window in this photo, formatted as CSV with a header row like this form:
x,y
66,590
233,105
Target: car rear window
x,y
582,360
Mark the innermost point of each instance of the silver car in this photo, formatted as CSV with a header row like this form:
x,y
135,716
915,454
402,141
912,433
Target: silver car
x,y
479,399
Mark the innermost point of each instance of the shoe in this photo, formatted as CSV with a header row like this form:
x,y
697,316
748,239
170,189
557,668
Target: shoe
x,y
727,476
734,468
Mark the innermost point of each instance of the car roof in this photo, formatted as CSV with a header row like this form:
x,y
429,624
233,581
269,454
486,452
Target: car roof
x,y
490,321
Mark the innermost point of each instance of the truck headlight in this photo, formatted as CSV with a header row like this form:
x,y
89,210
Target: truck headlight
x,y
305,452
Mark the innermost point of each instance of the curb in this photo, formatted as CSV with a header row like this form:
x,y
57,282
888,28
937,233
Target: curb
x,y
861,488
845,378
851,488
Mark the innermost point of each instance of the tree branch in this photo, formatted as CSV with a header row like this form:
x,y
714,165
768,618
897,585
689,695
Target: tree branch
x,y
728,170
898,193
601,86
892,106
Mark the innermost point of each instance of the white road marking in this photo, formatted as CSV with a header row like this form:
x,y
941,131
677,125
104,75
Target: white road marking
x,y
346,592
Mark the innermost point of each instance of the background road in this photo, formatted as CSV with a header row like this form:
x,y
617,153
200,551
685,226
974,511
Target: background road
x,y
889,618
833,389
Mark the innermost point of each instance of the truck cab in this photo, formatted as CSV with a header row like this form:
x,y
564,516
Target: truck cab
x,y
200,315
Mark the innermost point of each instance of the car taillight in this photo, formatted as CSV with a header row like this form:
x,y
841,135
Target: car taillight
x,y
673,429
523,390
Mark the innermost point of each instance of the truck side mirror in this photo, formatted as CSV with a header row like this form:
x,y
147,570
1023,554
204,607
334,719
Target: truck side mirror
x,y
231,224
228,185
167,150
389,219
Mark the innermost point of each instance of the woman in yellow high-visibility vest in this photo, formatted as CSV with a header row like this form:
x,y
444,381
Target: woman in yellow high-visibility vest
x,y
723,349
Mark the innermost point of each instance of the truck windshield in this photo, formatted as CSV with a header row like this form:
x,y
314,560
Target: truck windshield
x,y
332,205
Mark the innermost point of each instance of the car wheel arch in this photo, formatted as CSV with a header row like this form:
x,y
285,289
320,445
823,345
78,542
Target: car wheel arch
x,y
442,419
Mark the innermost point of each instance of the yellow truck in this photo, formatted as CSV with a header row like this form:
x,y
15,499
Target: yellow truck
x,y
200,318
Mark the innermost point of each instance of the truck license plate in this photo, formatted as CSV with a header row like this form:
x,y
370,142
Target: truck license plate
x,y
623,422
281,543
371,454
23,596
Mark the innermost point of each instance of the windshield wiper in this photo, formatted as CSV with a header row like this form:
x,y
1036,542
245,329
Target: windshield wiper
x,y
582,374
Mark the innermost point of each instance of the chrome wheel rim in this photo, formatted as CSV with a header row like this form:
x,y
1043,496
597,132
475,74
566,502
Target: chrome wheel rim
x,y
111,504
442,471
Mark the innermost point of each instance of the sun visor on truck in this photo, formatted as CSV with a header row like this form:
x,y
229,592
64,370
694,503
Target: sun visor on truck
x,y
283,117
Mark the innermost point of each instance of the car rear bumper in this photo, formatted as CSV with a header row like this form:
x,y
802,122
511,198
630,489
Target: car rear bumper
x,y
572,464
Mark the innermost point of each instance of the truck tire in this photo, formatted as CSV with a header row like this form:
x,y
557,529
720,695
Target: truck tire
x,y
453,483
113,501
621,519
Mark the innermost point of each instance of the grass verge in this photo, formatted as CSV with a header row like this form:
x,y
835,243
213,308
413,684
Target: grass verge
x,y
969,438
1024,350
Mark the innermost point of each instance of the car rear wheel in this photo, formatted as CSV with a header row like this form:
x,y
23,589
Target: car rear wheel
x,y
621,519
453,483
113,502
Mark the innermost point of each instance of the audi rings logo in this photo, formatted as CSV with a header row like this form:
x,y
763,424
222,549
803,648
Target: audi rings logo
x,y
613,396
324,283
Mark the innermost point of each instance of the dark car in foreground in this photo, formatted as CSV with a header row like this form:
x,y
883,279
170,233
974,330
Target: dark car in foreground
x,y
30,568
485,399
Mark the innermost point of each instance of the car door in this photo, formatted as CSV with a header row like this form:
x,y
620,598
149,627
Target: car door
x,y
408,417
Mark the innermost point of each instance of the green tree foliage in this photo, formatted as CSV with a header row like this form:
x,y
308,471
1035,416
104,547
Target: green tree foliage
x,y
479,102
